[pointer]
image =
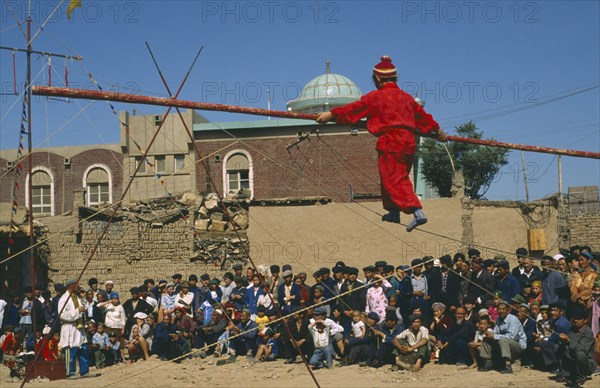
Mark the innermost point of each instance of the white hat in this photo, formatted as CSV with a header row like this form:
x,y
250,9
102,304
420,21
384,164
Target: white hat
x,y
109,281
140,315
557,257
219,311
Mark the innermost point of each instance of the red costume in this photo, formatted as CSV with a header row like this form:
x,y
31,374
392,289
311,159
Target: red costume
x,y
393,116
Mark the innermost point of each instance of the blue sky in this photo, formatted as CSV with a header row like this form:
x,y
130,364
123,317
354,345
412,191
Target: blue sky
x,y
468,60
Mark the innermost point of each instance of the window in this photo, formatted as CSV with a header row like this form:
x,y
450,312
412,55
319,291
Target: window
x,y
238,180
238,172
42,193
140,162
159,163
97,186
179,162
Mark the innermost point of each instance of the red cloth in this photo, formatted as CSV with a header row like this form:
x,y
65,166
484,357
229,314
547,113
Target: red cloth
x,y
392,115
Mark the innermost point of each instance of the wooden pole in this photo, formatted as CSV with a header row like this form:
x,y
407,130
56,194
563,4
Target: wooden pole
x,y
173,102
525,177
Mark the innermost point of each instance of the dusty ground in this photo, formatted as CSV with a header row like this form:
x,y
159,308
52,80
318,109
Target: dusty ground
x,y
204,373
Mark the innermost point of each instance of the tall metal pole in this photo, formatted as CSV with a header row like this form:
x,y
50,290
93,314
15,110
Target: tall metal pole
x,y
30,164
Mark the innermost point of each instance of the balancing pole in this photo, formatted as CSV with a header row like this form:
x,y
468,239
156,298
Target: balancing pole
x,y
161,101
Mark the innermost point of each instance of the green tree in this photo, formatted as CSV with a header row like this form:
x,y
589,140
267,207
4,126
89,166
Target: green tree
x,y
479,164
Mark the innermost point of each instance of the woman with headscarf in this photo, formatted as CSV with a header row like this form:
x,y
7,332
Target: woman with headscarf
x,y
376,299
139,339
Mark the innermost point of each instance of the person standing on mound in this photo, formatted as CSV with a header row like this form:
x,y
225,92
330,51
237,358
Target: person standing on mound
x,y
393,116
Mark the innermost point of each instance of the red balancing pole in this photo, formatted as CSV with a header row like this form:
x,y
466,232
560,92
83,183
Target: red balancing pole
x,y
161,101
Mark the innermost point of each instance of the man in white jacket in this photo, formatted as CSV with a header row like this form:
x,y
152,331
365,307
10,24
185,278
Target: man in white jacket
x,y
72,333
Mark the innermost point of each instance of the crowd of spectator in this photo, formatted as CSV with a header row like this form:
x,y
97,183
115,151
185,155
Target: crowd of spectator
x,y
461,310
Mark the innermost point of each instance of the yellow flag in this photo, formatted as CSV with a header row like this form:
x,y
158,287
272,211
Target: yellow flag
x,y
72,5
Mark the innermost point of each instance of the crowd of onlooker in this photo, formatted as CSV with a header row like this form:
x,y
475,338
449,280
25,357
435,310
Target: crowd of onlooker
x,y
461,310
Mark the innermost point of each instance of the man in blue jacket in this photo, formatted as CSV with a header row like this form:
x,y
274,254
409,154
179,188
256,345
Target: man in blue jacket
x,y
505,282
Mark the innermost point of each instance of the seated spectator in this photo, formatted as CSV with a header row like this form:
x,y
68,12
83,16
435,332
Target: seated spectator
x,y
138,339
165,340
244,335
386,332
323,351
529,326
412,346
301,337
453,343
508,336
261,320
268,349
359,347
559,325
576,351
113,355
483,327
212,330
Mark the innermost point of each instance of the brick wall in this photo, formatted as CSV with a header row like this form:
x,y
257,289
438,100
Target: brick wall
x,y
323,166
585,230
66,178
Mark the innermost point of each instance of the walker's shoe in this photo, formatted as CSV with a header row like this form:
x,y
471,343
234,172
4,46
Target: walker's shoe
x,y
289,361
487,366
507,370
417,221
393,216
229,360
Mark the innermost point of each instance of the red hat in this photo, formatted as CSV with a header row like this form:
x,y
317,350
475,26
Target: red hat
x,y
385,68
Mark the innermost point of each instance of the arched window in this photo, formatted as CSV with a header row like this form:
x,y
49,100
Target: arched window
x,y
42,189
98,185
238,174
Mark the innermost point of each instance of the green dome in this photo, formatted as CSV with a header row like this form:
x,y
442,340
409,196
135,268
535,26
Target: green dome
x,y
325,92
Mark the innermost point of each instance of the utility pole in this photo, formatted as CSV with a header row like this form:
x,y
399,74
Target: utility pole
x,y
525,177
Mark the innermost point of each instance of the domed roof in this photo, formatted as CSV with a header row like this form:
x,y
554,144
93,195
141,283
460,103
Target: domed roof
x,y
325,92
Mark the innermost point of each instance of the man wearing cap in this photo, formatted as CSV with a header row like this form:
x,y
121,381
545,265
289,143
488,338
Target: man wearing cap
x,y
369,272
393,116
354,300
288,293
560,325
386,331
338,278
72,333
135,305
176,279
444,285
237,270
576,350
412,345
521,254
508,336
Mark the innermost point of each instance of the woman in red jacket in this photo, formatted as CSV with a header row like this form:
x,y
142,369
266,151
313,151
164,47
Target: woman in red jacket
x,y
393,116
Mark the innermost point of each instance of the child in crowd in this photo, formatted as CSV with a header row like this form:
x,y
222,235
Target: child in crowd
x,y
536,292
475,346
358,326
318,292
265,299
268,350
114,350
100,345
261,319
323,352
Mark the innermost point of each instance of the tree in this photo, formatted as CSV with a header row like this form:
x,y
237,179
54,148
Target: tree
x,y
479,164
